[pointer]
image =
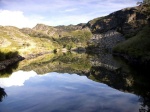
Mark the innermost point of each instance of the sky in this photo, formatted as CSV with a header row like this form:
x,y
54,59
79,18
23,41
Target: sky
x,y
28,13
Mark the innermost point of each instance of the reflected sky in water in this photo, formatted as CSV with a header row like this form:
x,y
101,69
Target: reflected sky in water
x,y
55,92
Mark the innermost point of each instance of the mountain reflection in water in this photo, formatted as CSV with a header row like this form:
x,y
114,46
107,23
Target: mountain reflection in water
x,y
69,92
65,93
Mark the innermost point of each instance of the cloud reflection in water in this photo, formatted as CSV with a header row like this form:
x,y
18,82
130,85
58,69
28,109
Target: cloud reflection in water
x,y
63,93
17,78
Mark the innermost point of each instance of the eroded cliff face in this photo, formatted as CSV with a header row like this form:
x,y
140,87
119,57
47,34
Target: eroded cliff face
x,y
127,20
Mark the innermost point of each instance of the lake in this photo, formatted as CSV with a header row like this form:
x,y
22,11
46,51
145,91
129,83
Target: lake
x,y
72,82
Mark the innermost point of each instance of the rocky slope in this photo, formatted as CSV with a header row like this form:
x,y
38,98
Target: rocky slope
x,y
131,23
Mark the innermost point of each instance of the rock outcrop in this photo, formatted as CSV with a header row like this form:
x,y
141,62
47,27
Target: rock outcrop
x,y
106,40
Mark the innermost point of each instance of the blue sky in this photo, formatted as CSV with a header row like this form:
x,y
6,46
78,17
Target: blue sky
x,y
27,13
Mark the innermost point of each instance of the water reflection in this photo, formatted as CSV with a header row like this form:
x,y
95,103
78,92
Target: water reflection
x,y
17,78
63,63
141,87
133,82
66,93
101,68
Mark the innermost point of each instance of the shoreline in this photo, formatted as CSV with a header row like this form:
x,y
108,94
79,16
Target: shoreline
x,y
4,64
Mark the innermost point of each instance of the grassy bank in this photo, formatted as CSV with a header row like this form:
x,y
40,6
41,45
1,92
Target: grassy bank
x,y
136,48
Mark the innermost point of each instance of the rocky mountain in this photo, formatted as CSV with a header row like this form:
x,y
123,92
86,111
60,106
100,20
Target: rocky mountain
x,y
58,31
128,20
45,29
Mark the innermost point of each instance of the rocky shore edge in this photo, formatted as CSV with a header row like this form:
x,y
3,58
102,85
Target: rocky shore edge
x,y
4,64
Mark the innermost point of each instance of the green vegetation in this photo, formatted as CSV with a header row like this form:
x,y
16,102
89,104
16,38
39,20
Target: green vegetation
x,y
13,39
74,39
137,47
59,62
75,61
59,37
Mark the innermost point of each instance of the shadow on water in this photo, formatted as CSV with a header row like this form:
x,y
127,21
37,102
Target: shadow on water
x,y
2,94
125,78
102,68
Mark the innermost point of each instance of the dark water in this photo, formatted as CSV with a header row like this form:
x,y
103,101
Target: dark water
x,y
74,83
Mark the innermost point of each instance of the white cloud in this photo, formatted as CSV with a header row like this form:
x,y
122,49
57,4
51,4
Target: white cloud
x,y
20,77
70,10
13,18
17,78
18,19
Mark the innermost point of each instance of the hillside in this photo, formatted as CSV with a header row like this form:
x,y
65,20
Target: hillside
x,y
68,37
12,39
133,23
116,27
136,49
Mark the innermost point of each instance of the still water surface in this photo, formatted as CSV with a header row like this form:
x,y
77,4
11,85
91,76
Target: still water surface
x,y
73,83
55,92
